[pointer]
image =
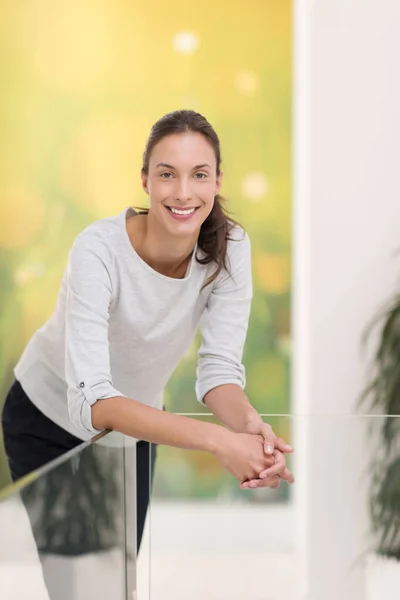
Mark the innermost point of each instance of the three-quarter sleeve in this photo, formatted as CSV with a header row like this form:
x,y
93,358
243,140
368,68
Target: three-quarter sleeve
x,y
224,323
87,359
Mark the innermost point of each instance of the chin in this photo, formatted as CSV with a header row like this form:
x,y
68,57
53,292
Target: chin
x,y
185,229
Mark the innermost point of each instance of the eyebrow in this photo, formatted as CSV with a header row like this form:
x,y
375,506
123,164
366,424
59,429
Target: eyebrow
x,y
167,166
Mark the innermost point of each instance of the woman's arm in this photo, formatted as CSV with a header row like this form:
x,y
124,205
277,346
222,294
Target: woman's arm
x,y
153,425
231,406
220,372
239,453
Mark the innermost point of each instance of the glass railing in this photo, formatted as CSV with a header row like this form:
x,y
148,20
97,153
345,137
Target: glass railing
x,y
66,532
69,531
334,534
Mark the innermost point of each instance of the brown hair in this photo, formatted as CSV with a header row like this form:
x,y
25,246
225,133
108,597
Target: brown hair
x,y
214,232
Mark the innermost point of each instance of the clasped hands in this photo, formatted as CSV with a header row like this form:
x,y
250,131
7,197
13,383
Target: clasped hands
x,y
256,457
274,449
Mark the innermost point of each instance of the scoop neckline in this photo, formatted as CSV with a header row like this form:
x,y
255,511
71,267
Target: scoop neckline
x,y
131,212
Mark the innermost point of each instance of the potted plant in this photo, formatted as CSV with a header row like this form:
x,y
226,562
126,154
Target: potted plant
x,y
382,396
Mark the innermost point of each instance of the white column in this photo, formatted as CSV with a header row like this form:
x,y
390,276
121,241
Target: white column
x,y
346,230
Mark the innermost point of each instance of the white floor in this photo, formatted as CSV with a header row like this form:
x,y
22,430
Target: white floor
x,y
198,551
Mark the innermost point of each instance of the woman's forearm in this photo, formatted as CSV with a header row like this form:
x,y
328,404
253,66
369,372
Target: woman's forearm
x,y
152,425
231,406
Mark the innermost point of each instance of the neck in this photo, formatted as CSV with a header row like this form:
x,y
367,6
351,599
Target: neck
x,y
164,253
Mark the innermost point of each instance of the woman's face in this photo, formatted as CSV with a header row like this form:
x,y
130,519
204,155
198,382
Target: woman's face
x,y
182,182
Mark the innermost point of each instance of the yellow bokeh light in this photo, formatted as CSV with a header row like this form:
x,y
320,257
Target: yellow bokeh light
x,y
22,214
247,83
272,272
254,186
25,273
185,42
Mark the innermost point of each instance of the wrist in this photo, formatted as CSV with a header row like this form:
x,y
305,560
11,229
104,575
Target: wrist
x,y
252,422
217,438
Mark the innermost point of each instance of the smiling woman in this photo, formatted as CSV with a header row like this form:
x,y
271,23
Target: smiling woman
x,y
136,289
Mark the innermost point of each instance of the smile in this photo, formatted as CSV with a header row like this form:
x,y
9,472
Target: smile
x,y
182,214
178,211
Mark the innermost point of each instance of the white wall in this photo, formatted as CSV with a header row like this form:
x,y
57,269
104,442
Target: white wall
x,y
346,229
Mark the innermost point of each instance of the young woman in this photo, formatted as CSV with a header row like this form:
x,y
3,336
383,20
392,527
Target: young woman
x,y
136,288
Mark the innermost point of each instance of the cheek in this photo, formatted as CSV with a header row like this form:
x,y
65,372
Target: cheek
x,y
157,192
209,192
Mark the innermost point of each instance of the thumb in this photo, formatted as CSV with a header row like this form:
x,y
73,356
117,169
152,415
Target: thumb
x,y
268,448
269,440
269,445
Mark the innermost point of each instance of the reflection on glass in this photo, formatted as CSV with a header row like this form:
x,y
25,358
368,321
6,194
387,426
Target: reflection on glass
x,y
64,532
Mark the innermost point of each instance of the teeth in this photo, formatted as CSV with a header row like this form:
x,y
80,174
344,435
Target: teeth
x,y
182,212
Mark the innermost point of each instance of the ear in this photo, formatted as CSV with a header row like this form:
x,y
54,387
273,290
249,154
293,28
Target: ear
x,y
144,178
219,182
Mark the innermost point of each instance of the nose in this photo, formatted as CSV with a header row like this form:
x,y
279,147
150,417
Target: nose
x,y
183,190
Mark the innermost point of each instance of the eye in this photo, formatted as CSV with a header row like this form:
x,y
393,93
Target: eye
x,y
166,175
200,175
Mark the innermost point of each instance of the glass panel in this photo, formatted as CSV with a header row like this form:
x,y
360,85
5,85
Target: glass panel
x,y
334,534
69,531
63,528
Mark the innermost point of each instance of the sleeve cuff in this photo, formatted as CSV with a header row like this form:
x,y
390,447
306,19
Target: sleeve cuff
x,y
82,397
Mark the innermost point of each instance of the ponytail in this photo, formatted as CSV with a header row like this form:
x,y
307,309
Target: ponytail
x,y
213,238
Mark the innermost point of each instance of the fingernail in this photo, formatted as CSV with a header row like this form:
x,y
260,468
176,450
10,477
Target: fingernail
x,y
269,449
288,447
252,484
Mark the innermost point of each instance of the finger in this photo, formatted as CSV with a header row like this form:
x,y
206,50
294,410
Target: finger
x,y
279,463
277,469
281,445
272,482
269,438
286,475
268,462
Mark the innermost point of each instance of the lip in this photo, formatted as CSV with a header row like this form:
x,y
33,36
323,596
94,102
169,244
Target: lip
x,y
181,207
181,217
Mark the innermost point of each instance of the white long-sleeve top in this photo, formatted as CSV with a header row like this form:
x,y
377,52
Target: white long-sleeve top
x,y
120,328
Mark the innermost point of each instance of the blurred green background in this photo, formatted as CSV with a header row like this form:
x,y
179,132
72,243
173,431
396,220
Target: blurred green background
x,y
82,83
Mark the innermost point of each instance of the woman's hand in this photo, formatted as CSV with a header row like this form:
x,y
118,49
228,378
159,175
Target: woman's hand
x,y
242,454
272,476
231,406
275,447
271,441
